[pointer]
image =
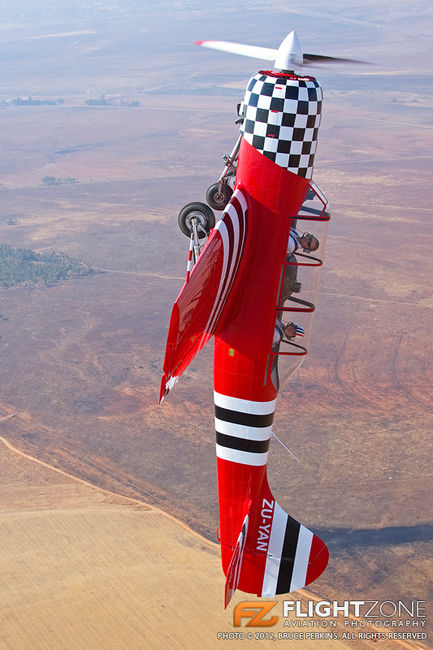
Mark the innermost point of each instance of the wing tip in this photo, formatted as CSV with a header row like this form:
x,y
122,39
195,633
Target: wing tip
x,y
162,390
167,383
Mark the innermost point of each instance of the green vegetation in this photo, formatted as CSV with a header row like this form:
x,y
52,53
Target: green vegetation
x,y
20,267
102,101
29,101
52,180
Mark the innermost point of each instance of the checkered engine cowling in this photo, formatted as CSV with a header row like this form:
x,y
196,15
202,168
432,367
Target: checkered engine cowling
x,y
282,116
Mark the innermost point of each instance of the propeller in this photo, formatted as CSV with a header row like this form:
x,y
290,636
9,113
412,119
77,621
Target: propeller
x,y
288,55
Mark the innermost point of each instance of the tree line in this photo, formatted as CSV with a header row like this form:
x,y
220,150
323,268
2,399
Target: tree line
x,y
24,267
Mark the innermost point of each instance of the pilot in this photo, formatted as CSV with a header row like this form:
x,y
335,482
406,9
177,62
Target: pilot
x,y
308,242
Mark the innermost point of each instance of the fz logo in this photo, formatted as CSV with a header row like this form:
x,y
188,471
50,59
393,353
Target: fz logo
x,y
255,611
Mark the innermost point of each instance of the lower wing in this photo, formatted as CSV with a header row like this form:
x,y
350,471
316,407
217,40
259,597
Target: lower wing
x,y
199,305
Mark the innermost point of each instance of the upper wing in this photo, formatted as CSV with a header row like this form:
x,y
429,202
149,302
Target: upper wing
x,y
200,303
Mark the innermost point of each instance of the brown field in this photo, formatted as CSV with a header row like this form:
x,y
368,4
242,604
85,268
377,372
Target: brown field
x,y
80,362
82,567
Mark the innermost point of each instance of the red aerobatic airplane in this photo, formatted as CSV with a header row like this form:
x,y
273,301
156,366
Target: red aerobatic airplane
x,y
238,289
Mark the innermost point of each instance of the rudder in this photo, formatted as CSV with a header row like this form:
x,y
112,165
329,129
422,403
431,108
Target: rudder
x,y
295,556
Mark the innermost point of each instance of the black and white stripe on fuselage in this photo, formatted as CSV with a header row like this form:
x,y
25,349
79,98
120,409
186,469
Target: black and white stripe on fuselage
x,y
243,429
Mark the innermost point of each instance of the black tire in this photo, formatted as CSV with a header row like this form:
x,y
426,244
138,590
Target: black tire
x,y
218,199
200,211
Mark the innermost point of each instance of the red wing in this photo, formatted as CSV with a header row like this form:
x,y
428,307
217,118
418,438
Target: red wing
x,y
199,305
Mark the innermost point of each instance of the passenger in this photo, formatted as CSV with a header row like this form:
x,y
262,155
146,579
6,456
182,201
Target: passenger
x,y
288,331
281,331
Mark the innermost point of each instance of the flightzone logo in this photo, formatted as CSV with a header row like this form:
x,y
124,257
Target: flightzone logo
x,y
324,619
255,613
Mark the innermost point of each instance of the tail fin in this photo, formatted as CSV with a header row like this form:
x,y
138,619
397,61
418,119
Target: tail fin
x,y
273,554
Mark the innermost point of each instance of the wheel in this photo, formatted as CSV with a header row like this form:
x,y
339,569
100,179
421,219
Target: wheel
x,y
199,211
218,198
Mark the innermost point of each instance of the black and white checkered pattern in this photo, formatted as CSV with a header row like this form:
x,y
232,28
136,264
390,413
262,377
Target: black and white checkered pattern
x,y
282,117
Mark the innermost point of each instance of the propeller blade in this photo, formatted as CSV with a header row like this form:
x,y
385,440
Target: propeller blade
x,y
287,57
311,59
266,53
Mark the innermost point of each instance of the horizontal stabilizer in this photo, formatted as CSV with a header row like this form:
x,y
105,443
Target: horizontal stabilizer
x,y
199,305
234,570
